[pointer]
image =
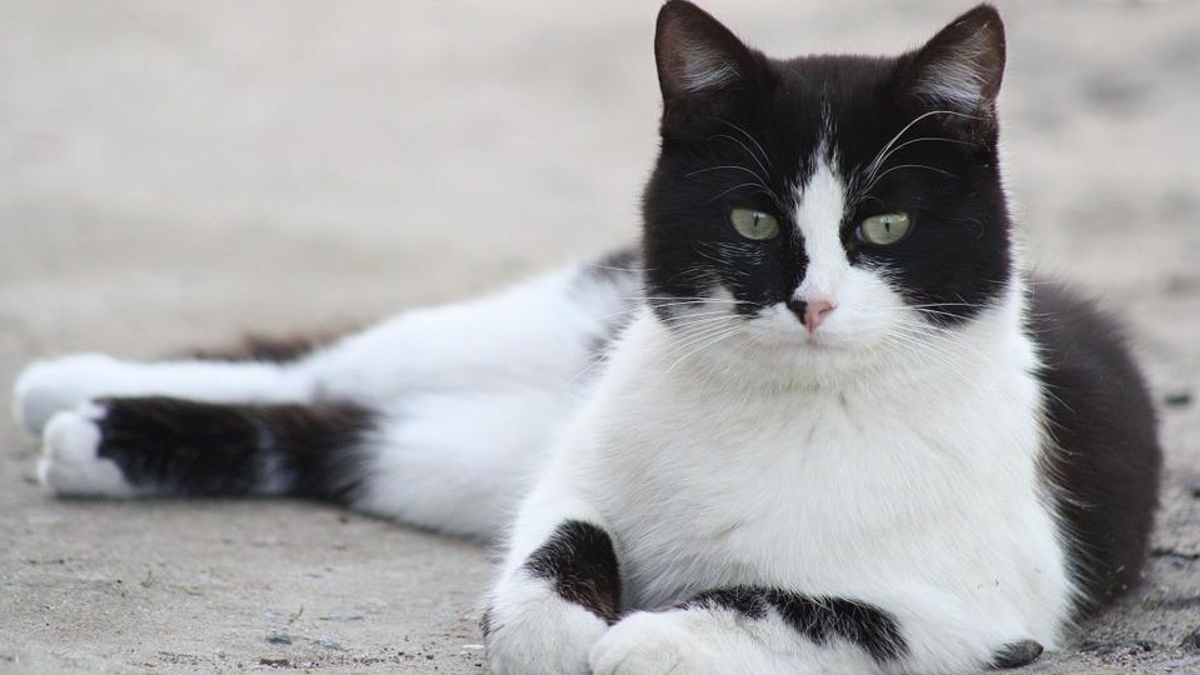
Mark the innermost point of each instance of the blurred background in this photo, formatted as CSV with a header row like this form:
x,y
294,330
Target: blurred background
x,y
177,172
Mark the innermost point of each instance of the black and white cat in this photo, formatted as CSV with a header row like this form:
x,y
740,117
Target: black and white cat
x,y
822,422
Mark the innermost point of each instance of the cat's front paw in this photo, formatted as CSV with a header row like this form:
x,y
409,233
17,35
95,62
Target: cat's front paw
x,y
541,636
45,388
654,643
71,464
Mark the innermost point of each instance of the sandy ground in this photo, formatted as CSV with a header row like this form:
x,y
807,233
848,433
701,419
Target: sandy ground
x,y
177,172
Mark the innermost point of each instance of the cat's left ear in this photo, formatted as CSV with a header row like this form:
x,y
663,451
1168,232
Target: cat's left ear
x,y
961,68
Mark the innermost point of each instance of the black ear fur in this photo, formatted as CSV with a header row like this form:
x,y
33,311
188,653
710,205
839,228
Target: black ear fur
x,y
701,64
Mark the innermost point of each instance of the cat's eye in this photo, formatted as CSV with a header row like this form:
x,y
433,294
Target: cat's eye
x,y
753,224
885,229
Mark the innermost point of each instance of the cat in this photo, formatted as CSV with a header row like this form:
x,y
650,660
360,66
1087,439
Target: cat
x,y
821,421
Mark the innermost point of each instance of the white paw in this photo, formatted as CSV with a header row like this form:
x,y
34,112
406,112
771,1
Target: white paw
x,y
541,634
48,387
70,464
653,643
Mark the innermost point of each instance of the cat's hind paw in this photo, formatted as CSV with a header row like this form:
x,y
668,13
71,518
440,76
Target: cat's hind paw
x,y
48,387
71,464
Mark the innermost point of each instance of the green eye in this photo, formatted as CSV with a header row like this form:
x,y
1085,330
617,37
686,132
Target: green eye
x,y
884,230
753,224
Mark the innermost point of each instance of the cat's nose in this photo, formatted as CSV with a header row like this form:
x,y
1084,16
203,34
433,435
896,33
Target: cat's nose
x,y
811,314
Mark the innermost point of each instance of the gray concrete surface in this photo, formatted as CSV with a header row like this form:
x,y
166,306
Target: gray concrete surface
x,y
177,172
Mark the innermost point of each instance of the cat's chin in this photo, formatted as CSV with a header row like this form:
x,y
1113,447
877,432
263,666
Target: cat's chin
x,y
804,342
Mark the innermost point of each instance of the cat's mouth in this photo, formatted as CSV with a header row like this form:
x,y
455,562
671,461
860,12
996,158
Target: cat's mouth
x,y
779,327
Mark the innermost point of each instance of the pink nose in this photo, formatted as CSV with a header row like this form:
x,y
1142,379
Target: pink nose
x,y
811,314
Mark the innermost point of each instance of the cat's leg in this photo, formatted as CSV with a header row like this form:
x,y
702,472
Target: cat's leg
x,y
453,409
754,631
544,332
559,586
163,446
760,631
456,463
47,387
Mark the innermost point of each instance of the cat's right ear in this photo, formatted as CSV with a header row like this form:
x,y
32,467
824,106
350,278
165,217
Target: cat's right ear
x,y
701,63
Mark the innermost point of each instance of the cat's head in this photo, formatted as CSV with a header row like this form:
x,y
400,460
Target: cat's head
x,y
826,203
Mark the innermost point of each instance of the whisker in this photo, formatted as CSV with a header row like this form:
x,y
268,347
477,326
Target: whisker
x,y
875,163
906,166
740,186
726,167
745,149
751,138
715,338
923,139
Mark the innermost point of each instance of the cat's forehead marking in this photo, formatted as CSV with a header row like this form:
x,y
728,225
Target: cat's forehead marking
x,y
820,206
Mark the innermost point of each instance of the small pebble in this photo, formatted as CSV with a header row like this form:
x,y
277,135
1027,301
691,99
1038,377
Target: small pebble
x,y
328,643
1178,399
1143,647
279,639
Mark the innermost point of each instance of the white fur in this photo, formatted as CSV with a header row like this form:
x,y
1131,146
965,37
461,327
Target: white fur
x,y
536,632
479,389
818,216
48,387
70,464
863,460
717,642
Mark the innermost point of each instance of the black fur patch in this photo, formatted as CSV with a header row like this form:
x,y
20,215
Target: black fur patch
x,y
580,560
1107,464
818,619
179,447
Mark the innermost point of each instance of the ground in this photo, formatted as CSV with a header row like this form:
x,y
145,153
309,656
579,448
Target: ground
x,y
177,172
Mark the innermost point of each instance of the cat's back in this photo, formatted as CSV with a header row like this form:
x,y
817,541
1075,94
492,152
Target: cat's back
x,y
1106,458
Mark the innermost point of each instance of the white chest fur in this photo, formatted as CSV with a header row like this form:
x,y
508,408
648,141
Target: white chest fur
x,y
915,490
